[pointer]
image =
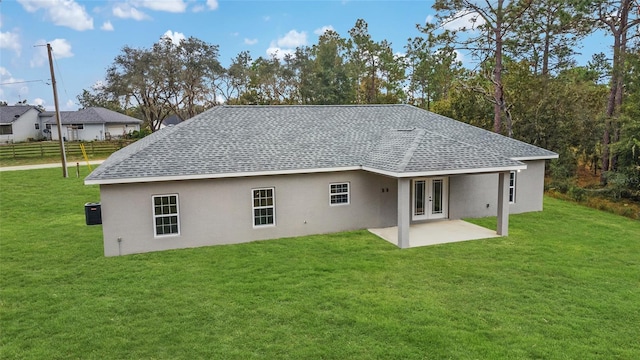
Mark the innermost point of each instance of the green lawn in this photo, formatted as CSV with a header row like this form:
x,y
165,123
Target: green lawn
x,y
564,285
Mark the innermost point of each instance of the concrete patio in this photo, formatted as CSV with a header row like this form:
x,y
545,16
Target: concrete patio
x,y
437,232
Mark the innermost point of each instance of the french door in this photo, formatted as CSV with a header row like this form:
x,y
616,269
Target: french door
x,y
430,198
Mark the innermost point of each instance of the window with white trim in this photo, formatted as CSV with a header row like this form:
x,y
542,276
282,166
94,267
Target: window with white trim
x,y
339,194
512,187
166,215
263,207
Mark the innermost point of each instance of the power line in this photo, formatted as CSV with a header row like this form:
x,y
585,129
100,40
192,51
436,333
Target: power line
x,y
59,72
24,82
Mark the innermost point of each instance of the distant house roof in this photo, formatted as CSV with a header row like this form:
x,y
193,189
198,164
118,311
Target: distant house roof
x,y
92,115
396,140
10,113
171,120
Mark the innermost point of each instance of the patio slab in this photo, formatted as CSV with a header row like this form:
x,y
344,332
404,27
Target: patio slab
x,y
437,232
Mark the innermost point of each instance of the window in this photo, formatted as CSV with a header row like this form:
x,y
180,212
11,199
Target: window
x,y
6,129
77,126
512,187
37,126
339,194
165,215
47,126
263,207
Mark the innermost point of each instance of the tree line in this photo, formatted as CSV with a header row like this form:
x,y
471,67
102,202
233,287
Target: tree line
x,y
524,81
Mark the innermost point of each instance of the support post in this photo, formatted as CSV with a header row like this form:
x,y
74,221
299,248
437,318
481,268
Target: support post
x,y
404,206
503,204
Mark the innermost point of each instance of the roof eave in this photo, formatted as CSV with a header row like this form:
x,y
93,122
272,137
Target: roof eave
x,y
446,172
541,157
215,176
303,171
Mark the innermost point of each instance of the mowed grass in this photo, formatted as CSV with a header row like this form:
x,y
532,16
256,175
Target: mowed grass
x,y
564,285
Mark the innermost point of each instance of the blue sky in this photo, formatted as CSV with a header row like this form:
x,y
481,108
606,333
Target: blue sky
x,y
87,35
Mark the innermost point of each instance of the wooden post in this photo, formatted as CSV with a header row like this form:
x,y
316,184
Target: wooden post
x,y
63,154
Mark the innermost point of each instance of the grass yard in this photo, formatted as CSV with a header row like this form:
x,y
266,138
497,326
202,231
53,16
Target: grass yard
x,y
564,285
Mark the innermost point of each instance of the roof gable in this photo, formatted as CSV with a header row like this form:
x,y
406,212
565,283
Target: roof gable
x,y
10,113
236,140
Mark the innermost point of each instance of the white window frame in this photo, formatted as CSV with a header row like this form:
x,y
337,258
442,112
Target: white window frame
x,y
338,194
512,187
261,207
176,214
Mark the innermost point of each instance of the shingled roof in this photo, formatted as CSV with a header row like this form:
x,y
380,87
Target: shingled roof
x,y
92,115
10,113
396,140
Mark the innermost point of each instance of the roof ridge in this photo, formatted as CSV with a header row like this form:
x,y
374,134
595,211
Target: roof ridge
x,y
309,106
408,155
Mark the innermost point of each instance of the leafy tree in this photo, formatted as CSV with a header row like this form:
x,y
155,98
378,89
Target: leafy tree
x,y
492,24
166,79
548,34
378,74
618,18
323,72
432,72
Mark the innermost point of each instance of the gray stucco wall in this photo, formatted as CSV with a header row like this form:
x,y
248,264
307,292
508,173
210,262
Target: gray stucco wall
x,y
218,211
476,195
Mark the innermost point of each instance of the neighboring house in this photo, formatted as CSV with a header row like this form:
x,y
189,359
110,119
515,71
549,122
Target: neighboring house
x,y
170,121
19,123
89,124
235,174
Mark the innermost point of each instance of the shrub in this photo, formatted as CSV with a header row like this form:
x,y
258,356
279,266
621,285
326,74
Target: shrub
x,y
577,193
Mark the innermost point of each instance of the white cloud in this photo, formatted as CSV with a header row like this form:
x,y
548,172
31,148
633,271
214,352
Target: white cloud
x,y
323,30
38,101
60,47
212,4
69,105
126,11
279,53
250,41
174,6
292,39
9,92
287,44
107,26
429,19
61,12
10,40
198,8
463,21
175,37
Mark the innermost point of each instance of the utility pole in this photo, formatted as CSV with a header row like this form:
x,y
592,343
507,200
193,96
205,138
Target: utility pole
x,y
58,120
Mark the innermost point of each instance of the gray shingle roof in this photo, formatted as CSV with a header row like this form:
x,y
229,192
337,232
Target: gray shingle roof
x,y
233,140
92,115
10,113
